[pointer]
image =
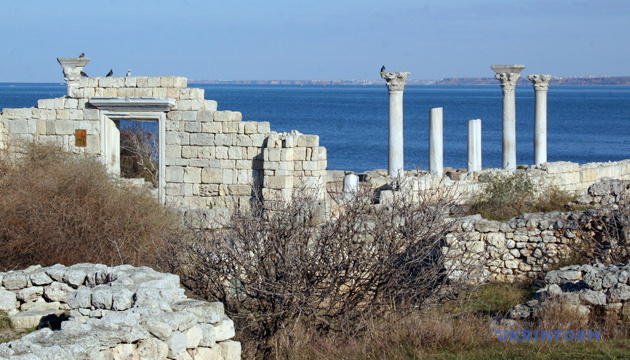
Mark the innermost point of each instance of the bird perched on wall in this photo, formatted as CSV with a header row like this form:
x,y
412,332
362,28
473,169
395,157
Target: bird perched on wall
x,y
82,55
128,73
383,68
84,74
110,73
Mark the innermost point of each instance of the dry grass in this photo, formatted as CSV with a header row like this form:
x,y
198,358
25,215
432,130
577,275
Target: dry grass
x,y
509,195
57,207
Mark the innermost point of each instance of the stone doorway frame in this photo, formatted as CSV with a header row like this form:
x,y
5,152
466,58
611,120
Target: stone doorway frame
x,y
113,110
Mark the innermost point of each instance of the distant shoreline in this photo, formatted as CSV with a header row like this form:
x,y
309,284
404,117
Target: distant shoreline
x,y
569,81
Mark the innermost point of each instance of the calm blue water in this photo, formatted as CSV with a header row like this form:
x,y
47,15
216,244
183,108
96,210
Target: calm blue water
x,y
585,124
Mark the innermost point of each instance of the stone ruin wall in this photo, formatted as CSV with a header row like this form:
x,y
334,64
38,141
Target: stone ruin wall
x,y
213,159
568,176
101,312
528,246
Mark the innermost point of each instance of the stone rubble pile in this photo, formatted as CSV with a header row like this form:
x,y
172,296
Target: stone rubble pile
x,y
582,288
89,311
608,192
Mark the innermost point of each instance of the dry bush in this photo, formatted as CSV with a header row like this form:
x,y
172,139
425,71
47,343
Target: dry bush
x,y
139,153
605,234
507,195
274,269
57,207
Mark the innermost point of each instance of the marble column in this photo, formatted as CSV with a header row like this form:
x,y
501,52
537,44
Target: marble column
x,y
396,86
474,145
508,75
72,68
351,184
436,142
541,85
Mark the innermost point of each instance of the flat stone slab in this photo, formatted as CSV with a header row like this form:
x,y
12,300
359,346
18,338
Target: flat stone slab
x,y
34,318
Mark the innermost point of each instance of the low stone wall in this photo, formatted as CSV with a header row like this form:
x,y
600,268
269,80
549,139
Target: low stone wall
x,y
567,176
529,245
89,311
583,289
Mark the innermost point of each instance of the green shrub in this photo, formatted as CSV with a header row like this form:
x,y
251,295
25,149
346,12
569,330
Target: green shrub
x,y
57,207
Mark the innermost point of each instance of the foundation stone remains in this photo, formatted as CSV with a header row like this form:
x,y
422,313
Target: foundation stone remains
x,y
92,311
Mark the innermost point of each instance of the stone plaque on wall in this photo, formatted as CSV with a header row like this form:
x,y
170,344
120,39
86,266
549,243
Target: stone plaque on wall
x,y
80,136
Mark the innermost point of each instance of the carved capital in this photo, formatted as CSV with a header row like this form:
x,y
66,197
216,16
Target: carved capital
x,y
541,82
508,80
72,67
395,80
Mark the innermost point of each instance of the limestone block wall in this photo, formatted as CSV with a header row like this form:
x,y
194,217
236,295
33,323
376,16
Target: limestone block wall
x,y
211,159
214,159
111,313
293,161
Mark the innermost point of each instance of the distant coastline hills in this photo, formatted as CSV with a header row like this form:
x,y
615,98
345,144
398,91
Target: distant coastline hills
x,y
573,81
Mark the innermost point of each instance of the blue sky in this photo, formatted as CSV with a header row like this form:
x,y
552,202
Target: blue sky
x,y
323,39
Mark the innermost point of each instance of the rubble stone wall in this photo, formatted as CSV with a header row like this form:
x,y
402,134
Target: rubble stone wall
x,y
529,245
583,289
91,311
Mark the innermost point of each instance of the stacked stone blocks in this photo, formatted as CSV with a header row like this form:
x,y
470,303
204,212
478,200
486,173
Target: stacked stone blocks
x,y
107,312
213,159
293,161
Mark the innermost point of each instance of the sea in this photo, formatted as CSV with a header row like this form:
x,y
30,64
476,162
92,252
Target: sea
x,y
585,123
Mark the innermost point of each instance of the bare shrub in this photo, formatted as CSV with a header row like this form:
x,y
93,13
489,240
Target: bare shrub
x,y
605,234
57,207
139,153
273,268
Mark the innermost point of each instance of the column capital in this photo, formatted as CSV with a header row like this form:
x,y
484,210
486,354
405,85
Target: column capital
x,y
541,82
507,75
395,80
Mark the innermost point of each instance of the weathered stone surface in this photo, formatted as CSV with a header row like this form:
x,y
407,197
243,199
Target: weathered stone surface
x,y
230,350
591,297
15,280
152,349
81,298
102,297
205,353
621,292
40,278
224,329
177,344
32,318
57,292
209,337
8,300
193,337
30,294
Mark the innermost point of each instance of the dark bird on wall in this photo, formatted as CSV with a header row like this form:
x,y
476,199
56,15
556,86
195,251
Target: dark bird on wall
x,y
82,55
110,73
383,68
84,74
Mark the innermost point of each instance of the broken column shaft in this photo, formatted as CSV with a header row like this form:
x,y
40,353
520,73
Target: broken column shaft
x,y
541,86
